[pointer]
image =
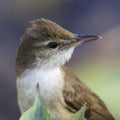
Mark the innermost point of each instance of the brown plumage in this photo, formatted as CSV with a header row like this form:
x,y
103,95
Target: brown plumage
x,y
76,93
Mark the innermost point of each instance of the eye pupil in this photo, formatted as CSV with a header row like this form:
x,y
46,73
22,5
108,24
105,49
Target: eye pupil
x,y
52,45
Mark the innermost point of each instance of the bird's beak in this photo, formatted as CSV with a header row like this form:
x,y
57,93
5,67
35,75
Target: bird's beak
x,y
79,39
87,38
84,38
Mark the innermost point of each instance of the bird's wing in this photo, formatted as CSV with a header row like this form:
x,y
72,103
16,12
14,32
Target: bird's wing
x,y
76,93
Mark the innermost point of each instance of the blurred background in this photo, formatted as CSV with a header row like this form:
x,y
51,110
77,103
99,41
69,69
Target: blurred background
x,y
96,63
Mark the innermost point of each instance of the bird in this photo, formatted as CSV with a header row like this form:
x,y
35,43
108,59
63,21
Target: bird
x,y
43,51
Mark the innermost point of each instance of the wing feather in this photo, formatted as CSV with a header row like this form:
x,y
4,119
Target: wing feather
x,y
76,93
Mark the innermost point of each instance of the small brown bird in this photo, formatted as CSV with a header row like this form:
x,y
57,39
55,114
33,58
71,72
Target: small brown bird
x,y
41,56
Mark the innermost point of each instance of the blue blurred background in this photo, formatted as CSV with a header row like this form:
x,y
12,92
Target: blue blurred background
x,y
96,63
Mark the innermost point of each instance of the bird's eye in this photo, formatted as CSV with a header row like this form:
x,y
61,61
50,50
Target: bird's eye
x,y
52,45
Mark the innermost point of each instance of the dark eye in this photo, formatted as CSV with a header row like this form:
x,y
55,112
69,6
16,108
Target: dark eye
x,y
52,45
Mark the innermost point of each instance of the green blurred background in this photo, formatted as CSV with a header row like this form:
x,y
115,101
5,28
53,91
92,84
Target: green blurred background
x,y
96,63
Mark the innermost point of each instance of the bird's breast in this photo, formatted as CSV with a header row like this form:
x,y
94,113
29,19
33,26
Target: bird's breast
x,y
51,87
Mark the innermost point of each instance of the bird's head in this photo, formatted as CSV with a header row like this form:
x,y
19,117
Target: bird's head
x,y
46,45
